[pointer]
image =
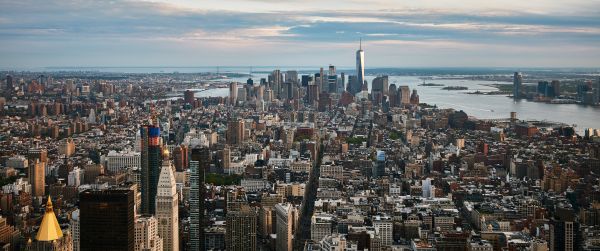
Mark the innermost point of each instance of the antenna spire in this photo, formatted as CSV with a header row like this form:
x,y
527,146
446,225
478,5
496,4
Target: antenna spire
x,y
360,44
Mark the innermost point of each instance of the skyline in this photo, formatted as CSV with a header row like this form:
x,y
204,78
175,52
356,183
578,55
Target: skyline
x,y
395,34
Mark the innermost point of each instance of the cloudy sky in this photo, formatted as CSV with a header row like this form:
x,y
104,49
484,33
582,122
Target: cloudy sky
x,y
395,33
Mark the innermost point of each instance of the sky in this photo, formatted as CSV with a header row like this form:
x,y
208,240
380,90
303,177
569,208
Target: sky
x,y
395,33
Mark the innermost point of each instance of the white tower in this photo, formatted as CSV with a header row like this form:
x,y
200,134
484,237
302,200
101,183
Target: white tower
x,y
360,65
167,212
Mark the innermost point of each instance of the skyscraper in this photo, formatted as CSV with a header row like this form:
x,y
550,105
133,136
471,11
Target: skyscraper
x,y
404,94
200,162
151,161
241,230
167,208
379,89
107,219
517,83
9,86
235,131
564,230
146,234
360,65
233,93
285,213
37,178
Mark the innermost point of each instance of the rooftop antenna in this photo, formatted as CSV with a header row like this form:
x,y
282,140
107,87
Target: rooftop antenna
x,y
360,44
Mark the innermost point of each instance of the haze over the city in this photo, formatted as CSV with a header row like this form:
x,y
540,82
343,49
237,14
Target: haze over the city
x,y
540,33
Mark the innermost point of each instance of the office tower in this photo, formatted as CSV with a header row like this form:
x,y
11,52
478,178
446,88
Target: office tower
x,y
292,77
379,89
107,219
427,189
119,161
249,82
9,86
404,94
37,178
306,80
598,91
321,79
167,207
233,93
50,235
199,163
188,97
235,132
354,86
332,82
180,158
341,83
556,87
241,230
151,160
49,228
517,84
360,65
564,230
146,234
286,214
75,229
384,228
379,165
312,94
275,80
414,98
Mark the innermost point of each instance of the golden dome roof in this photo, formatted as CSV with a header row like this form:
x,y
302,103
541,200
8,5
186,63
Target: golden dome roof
x,y
49,229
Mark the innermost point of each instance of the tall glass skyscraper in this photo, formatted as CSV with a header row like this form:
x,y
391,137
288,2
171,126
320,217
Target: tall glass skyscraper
x,y
360,65
517,82
151,159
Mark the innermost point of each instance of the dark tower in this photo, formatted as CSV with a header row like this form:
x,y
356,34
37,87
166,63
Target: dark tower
x,y
151,161
107,219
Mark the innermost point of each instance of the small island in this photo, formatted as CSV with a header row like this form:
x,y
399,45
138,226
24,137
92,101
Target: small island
x,y
430,84
455,88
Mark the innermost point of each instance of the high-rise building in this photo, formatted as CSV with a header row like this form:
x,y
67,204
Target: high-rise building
x,y
414,97
556,87
107,219
564,230
199,163
180,158
37,178
384,228
235,132
167,207
517,85
188,97
404,94
151,161
286,214
360,65
241,230
146,234
292,77
233,93
50,235
379,89
9,86
75,229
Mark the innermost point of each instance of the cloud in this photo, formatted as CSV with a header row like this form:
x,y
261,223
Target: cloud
x,y
242,28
